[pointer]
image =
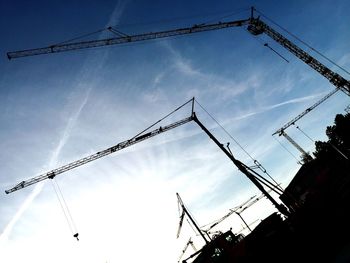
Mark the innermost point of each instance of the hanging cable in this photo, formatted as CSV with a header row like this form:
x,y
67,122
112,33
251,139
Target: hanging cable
x,y
62,207
179,18
297,38
259,165
256,38
305,134
267,45
65,209
65,204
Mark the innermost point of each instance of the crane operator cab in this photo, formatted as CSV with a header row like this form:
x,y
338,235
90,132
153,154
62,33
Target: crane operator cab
x,y
255,27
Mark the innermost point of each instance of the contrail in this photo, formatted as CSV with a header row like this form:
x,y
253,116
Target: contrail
x,y
114,18
267,108
292,101
53,160
4,235
67,131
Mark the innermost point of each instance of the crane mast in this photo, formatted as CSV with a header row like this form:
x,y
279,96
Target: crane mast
x,y
243,168
296,145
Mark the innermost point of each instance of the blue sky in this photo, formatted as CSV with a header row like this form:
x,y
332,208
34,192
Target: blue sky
x,y
61,107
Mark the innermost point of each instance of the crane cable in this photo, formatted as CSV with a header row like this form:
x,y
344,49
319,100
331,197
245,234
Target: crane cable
x,y
265,44
259,165
166,116
303,42
66,212
113,29
81,36
304,134
174,19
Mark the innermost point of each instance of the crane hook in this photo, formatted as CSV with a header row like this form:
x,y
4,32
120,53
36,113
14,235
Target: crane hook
x,y
76,236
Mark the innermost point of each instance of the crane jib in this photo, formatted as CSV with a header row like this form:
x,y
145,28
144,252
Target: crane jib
x,y
125,39
51,174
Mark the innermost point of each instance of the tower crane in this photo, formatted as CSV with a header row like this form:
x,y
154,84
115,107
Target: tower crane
x,y
252,175
237,210
281,131
254,25
122,145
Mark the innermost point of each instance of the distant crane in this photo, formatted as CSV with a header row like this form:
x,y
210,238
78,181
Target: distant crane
x,y
246,204
237,210
281,131
258,180
293,121
339,82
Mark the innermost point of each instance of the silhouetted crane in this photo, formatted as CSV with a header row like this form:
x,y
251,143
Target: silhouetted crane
x,y
258,180
254,25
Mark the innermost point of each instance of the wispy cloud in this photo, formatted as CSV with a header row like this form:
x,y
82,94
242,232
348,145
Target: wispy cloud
x,y
180,63
118,12
207,84
52,162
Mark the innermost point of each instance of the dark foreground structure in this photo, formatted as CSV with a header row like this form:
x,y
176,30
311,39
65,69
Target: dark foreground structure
x,y
317,231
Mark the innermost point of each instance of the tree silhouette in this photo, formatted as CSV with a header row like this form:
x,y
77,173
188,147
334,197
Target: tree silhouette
x,y
338,144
